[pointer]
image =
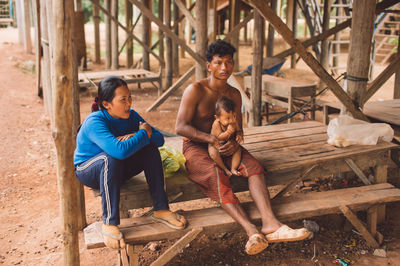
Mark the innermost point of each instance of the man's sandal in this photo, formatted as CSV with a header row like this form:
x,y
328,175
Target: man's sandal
x,y
256,244
107,236
286,234
166,221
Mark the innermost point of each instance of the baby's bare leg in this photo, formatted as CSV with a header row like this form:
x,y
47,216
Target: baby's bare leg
x,y
236,159
214,154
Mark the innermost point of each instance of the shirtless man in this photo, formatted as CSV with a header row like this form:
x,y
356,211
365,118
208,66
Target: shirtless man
x,y
194,121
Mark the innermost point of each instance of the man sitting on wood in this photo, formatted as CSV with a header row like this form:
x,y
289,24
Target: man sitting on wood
x,y
194,121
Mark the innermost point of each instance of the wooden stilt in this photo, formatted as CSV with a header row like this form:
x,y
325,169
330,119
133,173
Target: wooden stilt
x,y
160,32
358,61
182,31
146,37
65,78
168,45
233,21
324,57
372,217
175,54
293,60
38,46
271,33
289,13
256,77
96,24
381,177
212,11
27,27
129,25
20,20
201,36
114,35
107,22
396,90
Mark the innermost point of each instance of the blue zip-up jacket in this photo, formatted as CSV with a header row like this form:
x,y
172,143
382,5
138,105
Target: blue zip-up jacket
x,y
99,133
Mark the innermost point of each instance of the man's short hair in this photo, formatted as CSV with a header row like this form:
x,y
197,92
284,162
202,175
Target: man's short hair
x,y
220,48
224,103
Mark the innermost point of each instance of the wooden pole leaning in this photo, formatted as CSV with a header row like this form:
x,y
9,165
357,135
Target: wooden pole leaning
x,y
279,26
64,75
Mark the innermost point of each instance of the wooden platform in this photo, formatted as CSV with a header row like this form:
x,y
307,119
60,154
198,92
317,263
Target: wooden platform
x,y
142,230
129,75
387,111
286,151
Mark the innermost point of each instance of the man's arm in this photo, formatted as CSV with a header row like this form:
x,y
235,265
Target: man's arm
x,y
186,112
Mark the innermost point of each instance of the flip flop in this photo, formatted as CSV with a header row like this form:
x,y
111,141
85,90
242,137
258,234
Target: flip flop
x,y
286,234
109,235
256,244
167,219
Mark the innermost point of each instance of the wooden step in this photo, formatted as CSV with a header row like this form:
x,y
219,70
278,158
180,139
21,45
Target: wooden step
x,y
141,230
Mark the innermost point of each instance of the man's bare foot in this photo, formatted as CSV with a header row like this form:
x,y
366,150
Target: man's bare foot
x,y
271,227
112,236
235,172
170,219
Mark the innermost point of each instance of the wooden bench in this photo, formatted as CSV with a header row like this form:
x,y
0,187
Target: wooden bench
x,y
284,93
129,75
290,153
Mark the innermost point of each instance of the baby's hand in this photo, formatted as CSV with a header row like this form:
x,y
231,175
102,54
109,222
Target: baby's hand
x,y
239,138
231,129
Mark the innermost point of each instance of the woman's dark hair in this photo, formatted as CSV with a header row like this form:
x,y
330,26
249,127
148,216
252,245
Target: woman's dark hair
x,y
225,104
106,90
221,48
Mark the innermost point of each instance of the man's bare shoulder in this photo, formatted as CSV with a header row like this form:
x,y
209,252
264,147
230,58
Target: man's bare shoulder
x,y
196,89
233,91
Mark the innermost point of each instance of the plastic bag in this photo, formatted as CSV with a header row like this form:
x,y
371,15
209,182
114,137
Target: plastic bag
x,y
172,160
344,131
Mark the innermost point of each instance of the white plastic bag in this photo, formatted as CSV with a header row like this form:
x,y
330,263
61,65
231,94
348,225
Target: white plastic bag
x,y
344,131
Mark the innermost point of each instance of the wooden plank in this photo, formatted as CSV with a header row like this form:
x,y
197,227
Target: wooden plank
x,y
359,226
146,12
143,230
358,171
171,252
279,26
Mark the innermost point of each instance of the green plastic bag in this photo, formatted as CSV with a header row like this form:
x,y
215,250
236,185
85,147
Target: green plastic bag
x,y
172,160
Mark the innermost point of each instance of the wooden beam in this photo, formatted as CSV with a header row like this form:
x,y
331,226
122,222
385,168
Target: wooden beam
x,y
65,82
271,33
171,89
178,246
129,25
234,18
318,38
38,47
146,12
160,41
186,12
358,60
96,25
256,77
240,25
358,171
374,86
279,26
114,35
396,89
146,29
127,31
201,37
359,226
324,57
168,45
27,27
293,60
381,177
175,48
107,22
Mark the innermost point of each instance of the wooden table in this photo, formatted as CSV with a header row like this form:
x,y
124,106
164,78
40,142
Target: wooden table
x,y
283,92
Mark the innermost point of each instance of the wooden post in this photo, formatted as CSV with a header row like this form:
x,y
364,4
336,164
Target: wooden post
x,y
336,46
96,24
396,90
324,56
233,21
182,31
381,177
65,78
175,52
160,32
360,48
168,45
294,30
107,22
38,46
256,77
201,36
129,25
20,20
27,28
146,37
114,35
289,13
271,34
212,11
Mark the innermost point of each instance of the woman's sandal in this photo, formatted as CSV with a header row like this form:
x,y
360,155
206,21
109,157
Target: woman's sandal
x,y
167,220
256,244
107,236
286,234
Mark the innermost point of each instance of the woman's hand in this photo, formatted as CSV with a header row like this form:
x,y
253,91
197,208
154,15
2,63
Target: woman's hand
x,y
126,137
146,127
228,148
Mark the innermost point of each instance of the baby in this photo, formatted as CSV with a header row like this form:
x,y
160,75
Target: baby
x,y
224,128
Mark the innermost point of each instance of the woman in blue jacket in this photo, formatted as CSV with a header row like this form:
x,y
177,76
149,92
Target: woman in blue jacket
x,y
114,144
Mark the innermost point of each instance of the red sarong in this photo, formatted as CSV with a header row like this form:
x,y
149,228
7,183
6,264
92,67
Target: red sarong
x,y
211,179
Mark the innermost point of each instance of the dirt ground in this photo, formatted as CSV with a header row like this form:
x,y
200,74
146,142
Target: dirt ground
x,y
29,202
